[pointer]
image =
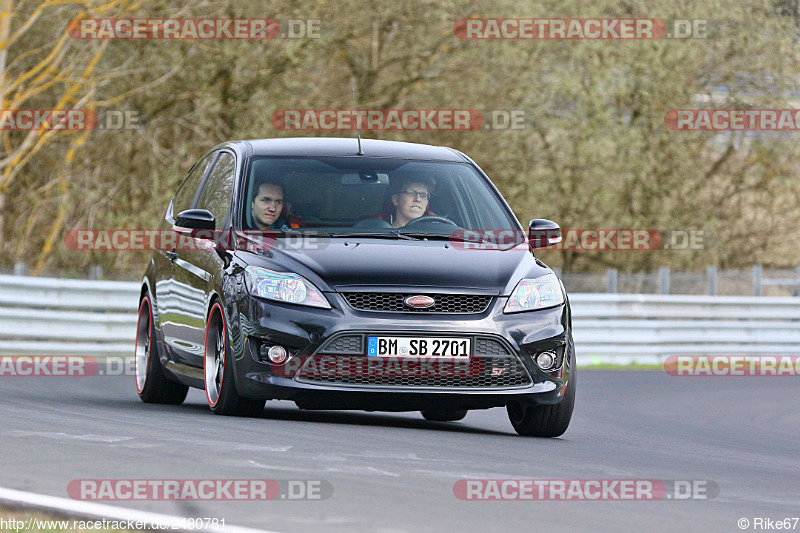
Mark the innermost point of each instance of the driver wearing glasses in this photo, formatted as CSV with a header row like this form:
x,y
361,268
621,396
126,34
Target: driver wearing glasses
x,y
410,202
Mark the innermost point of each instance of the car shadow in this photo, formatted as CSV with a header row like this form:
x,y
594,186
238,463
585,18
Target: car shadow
x,y
356,418
362,418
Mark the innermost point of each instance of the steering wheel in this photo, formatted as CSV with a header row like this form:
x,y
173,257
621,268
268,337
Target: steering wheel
x,y
431,218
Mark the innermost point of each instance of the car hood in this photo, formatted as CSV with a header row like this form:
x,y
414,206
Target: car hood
x,y
364,264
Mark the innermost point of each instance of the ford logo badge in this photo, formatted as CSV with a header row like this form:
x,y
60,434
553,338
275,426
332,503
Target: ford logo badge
x,y
419,302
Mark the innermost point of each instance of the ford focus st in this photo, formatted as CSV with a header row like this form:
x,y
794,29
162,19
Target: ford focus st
x,y
384,276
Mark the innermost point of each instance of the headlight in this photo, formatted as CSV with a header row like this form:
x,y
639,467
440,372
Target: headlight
x,y
283,287
531,294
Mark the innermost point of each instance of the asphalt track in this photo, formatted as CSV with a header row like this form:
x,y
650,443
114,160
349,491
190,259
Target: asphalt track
x,y
395,472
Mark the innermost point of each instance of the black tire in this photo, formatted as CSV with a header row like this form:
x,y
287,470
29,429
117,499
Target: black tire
x,y
547,420
151,383
445,415
221,392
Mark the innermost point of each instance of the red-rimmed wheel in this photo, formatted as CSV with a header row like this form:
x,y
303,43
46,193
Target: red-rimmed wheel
x,y
219,380
151,383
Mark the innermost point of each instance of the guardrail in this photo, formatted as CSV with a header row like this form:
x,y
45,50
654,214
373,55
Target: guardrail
x,y
50,316
646,329
47,316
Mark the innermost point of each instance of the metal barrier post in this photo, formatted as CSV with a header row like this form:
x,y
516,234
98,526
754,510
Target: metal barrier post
x,y
797,287
758,272
663,280
711,274
611,277
95,271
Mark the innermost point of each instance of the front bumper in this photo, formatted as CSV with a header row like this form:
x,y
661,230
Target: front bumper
x,y
309,332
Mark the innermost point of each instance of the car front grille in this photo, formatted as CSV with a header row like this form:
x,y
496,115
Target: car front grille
x,y
393,302
493,366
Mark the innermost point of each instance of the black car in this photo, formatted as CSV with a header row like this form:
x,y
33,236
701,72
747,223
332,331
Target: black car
x,y
385,276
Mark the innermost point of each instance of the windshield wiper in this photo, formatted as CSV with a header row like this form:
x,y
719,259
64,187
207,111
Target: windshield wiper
x,y
377,234
441,236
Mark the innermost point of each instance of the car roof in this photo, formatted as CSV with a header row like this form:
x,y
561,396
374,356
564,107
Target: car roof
x,y
343,147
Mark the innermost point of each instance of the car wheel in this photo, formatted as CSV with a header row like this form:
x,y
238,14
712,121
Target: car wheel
x,y
151,383
547,420
445,415
217,369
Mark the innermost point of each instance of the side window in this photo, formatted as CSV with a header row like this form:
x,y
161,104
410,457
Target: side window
x,y
185,195
216,195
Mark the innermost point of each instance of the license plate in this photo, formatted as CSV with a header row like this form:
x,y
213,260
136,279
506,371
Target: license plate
x,y
418,347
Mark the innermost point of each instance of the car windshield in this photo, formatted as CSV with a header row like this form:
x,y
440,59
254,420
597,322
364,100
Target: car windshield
x,y
370,196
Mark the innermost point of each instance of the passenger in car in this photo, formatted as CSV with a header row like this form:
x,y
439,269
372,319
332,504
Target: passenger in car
x,y
269,210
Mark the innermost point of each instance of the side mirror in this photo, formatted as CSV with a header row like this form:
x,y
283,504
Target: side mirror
x,y
543,233
192,220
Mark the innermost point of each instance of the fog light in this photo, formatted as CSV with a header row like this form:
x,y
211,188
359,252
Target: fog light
x,y
277,354
274,354
546,360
